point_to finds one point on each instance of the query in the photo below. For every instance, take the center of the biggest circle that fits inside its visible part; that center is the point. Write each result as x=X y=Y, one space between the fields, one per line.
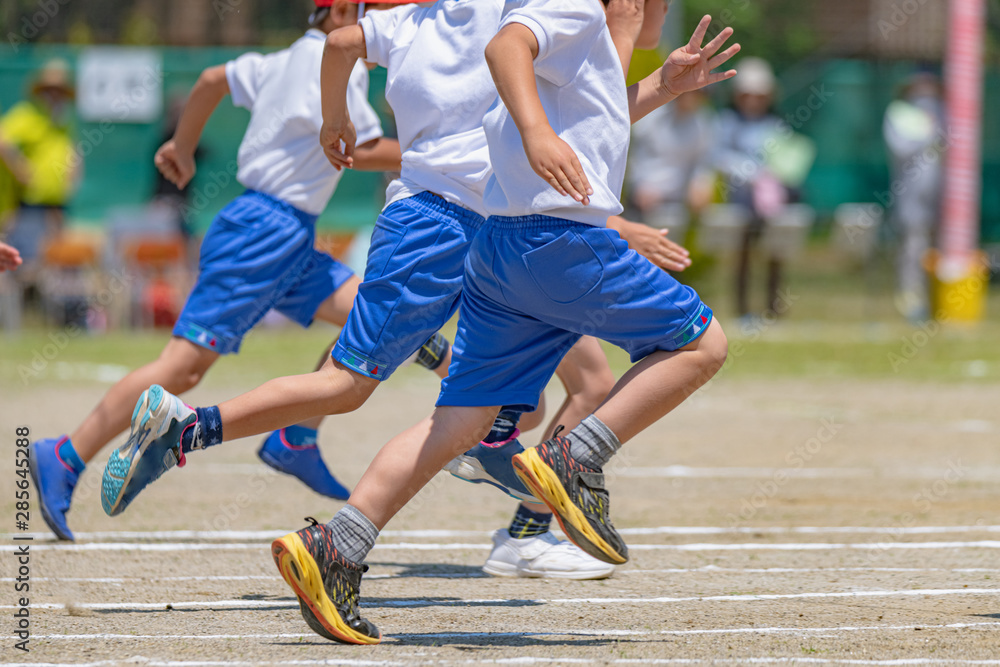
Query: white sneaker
x=542 y=556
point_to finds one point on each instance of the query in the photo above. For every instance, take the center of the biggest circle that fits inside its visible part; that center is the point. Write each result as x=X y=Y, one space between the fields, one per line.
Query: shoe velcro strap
x=592 y=480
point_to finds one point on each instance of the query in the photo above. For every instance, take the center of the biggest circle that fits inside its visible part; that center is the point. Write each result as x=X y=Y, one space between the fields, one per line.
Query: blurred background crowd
x=826 y=153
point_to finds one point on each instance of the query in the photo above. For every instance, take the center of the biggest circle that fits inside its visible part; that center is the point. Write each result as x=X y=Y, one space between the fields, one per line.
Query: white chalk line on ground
x=458 y=546
x=268 y=535
x=458 y=602
x=979 y=474
x=707 y=569
x=523 y=660
x=536 y=633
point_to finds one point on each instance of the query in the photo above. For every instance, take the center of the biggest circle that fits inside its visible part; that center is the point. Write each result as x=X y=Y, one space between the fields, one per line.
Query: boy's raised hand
x=175 y=163
x=690 y=67
x=338 y=137
x=10 y=258
x=554 y=160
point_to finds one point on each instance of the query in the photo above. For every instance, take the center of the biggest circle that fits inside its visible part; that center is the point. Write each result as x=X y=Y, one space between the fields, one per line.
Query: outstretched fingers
x=724 y=56
x=699 y=33
x=717 y=42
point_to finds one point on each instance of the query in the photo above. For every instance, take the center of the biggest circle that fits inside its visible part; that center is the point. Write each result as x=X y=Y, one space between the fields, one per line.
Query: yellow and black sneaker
x=576 y=495
x=326 y=583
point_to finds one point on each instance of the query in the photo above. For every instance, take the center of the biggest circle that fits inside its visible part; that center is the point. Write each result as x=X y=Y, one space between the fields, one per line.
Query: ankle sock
x=354 y=534
x=504 y=425
x=301 y=436
x=205 y=432
x=69 y=456
x=528 y=524
x=592 y=443
x=433 y=352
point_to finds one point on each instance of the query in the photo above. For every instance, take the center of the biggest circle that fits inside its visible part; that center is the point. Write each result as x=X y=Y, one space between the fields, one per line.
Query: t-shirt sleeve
x=243 y=76
x=565 y=30
x=380 y=30
x=366 y=121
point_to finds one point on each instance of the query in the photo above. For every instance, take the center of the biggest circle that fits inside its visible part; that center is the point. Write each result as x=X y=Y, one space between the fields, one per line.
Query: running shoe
x=491 y=464
x=303 y=462
x=54 y=481
x=543 y=557
x=576 y=495
x=153 y=447
x=327 y=584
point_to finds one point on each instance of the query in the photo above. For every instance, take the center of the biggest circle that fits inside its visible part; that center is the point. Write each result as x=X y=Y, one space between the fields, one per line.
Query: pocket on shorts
x=386 y=238
x=565 y=269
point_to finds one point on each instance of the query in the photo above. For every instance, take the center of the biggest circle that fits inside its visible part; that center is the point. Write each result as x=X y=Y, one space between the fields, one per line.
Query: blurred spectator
x=670 y=157
x=39 y=152
x=743 y=134
x=913 y=125
x=165 y=193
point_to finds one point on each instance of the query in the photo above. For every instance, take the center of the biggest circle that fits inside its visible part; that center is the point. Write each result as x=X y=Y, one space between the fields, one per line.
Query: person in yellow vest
x=40 y=154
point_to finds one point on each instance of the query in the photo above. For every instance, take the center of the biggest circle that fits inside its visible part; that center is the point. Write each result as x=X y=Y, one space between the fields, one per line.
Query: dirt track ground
x=770 y=521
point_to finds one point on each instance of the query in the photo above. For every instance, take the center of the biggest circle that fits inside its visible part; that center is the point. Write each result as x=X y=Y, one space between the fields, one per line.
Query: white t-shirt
x=280 y=154
x=440 y=88
x=582 y=90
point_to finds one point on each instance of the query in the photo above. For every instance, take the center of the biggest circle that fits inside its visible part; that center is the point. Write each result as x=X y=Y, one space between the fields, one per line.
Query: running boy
x=542 y=270
x=257 y=255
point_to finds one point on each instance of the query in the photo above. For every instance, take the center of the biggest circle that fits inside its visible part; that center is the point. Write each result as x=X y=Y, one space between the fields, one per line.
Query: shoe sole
x=299 y=570
x=511 y=571
x=46 y=516
x=543 y=481
x=468 y=469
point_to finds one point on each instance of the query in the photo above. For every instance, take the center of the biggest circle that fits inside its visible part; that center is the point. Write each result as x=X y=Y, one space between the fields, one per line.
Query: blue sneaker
x=153 y=447
x=491 y=464
x=303 y=462
x=55 y=482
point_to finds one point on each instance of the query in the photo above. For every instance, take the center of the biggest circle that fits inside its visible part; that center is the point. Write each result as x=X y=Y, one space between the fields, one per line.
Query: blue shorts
x=257 y=255
x=412 y=285
x=535 y=284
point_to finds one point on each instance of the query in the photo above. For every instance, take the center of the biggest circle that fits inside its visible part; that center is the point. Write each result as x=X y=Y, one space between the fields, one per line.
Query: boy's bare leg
x=179 y=368
x=660 y=382
x=408 y=461
x=293 y=399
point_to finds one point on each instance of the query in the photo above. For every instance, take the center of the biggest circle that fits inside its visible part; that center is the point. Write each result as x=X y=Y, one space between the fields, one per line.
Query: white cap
x=754 y=76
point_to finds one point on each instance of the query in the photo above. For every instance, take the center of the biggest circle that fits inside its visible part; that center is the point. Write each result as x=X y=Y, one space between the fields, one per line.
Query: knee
x=360 y=389
x=184 y=378
x=714 y=348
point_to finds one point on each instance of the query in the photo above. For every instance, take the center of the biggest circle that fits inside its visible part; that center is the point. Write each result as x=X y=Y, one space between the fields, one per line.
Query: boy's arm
x=175 y=158
x=687 y=68
x=652 y=244
x=624 y=18
x=510 y=55
x=343 y=48
x=378 y=155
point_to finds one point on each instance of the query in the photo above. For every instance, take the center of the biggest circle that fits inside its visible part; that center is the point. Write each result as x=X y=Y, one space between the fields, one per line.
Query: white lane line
x=535 y=633
x=979 y=474
x=707 y=569
x=458 y=602
x=459 y=546
x=267 y=535
x=523 y=660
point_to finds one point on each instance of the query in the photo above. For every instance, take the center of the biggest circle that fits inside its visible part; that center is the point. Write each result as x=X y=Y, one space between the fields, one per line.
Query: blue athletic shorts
x=412 y=285
x=257 y=255
x=535 y=284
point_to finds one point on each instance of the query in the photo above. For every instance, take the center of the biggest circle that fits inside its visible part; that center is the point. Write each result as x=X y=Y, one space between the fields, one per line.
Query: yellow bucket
x=961 y=296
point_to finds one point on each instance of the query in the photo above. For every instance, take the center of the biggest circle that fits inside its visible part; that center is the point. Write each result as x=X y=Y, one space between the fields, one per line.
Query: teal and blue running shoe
x=303 y=462
x=153 y=447
x=492 y=464
x=55 y=481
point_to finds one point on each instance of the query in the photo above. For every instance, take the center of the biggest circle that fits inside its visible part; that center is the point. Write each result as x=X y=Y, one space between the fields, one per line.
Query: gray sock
x=592 y=443
x=354 y=534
